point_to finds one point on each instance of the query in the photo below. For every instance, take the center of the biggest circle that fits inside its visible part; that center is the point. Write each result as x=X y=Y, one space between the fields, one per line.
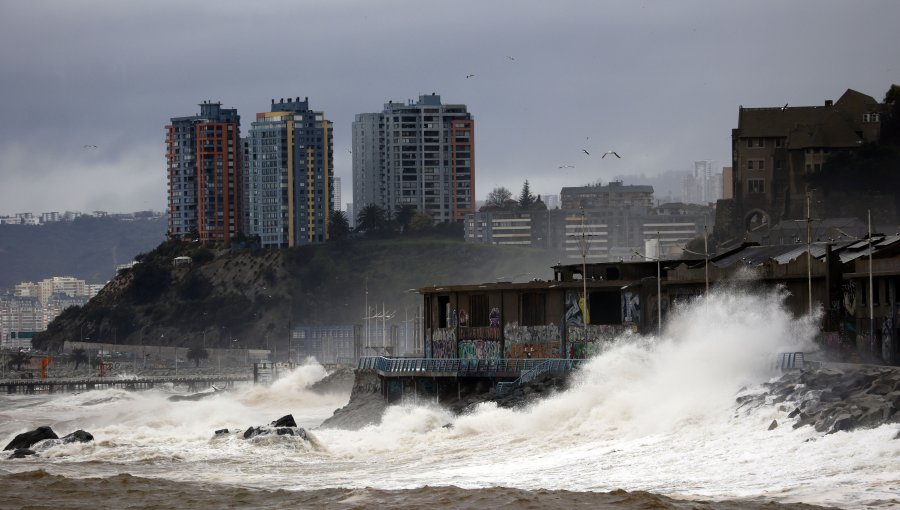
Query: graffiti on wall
x=479 y=349
x=494 y=317
x=887 y=340
x=484 y=333
x=463 y=318
x=631 y=307
x=849 y=294
x=531 y=341
x=574 y=316
x=584 y=342
x=443 y=343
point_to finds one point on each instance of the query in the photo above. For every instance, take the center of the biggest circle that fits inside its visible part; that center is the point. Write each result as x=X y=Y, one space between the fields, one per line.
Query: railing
x=465 y=367
x=792 y=361
x=550 y=366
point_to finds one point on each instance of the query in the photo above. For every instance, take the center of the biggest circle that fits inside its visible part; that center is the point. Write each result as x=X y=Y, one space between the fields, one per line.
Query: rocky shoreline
x=839 y=397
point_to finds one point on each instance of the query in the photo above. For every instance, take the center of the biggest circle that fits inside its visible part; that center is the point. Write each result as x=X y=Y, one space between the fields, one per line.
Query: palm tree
x=371 y=218
x=79 y=356
x=17 y=359
x=197 y=353
x=403 y=214
x=338 y=226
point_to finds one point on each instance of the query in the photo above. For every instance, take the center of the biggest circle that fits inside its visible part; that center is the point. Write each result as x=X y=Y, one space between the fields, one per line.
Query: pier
x=77 y=384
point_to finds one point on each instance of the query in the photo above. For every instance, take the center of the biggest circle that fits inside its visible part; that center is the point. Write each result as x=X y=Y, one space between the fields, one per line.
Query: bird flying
x=511 y=58
x=586 y=152
x=470 y=76
x=610 y=152
x=90 y=146
x=567 y=166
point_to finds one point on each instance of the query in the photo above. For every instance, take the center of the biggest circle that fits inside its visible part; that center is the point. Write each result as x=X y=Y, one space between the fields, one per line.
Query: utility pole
x=808 y=254
x=871 y=287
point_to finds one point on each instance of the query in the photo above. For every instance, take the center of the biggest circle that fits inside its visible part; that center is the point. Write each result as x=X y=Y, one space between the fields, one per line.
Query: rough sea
x=648 y=423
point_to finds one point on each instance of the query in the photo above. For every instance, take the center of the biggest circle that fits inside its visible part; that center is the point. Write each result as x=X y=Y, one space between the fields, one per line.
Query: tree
x=421 y=221
x=17 y=359
x=525 y=197
x=371 y=218
x=338 y=226
x=403 y=214
x=197 y=353
x=79 y=356
x=498 y=197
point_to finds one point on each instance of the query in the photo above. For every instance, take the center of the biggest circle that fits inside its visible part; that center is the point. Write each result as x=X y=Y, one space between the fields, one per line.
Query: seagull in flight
x=783 y=108
x=350 y=151
x=586 y=152
x=470 y=76
x=511 y=58
x=90 y=146
x=567 y=166
x=610 y=152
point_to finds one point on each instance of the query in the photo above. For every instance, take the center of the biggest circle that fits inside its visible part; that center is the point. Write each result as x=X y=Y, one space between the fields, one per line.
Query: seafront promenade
x=74 y=384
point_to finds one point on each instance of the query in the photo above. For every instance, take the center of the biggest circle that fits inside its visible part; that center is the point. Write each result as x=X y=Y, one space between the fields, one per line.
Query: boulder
x=252 y=432
x=26 y=440
x=773 y=425
x=222 y=431
x=21 y=453
x=285 y=421
x=79 y=436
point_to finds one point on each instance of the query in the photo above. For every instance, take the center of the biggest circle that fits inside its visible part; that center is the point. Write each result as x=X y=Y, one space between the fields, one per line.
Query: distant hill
x=88 y=248
x=249 y=298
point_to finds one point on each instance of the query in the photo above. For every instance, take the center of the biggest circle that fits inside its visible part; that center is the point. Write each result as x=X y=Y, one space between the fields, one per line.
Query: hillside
x=249 y=298
x=88 y=248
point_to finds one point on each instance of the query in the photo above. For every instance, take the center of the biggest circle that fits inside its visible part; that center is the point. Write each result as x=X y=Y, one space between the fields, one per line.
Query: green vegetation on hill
x=250 y=298
x=88 y=248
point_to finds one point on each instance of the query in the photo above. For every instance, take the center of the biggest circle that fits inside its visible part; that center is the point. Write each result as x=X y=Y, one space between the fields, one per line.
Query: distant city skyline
x=659 y=83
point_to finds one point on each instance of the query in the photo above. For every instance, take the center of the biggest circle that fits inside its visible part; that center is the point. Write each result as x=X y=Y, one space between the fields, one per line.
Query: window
x=749 y=164
x=777 y=164
x=760 y=164
x=479 y=310
x=778 y=142
x=755 y=186
x=749 y=143
x=532 y=309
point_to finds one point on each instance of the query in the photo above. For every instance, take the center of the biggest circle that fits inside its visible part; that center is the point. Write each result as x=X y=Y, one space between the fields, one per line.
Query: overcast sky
x=659 y=82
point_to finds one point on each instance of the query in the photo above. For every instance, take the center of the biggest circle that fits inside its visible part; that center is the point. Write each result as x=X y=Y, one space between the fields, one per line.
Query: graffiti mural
x=532 y=341
x=479 y=349
x=573 y=309
x=887 y=340
x=452 y=320
x=584 y=342
x=495 y=317
x=463 y=318
x=849 y=294
x=443 y=343
x=631 y=308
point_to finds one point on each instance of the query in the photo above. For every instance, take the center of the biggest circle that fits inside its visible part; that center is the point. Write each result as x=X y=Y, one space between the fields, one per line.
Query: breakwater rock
x=833 y=399
x=365 y=407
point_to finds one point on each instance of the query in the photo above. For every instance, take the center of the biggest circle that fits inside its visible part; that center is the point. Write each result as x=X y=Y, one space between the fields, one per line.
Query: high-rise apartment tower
x=421 y=154
x=205 y=174
x=291 y=173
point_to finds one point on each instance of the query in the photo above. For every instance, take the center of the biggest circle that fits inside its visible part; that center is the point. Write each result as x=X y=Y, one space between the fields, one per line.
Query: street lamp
x=705 y=254
x=658 y=291
x=584 y=243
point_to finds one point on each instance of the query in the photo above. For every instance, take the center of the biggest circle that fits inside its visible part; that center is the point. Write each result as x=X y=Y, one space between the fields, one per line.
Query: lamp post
x=658 y=291
x=705 y=257
x=584 y=243
x=808 y=254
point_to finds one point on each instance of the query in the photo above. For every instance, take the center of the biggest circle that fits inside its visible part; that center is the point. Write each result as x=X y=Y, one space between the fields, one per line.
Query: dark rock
x=28 y=439
x=880 y=389
x=898 y=435
x=843 y=422
x=795 y=412
x=280 y=431
x=773 y=425
x=285 y=421
x=79 y=436
x=222 y=431
x=21 y=453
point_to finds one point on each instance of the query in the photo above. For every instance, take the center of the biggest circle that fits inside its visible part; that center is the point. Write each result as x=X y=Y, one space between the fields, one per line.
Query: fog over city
x=88 y=86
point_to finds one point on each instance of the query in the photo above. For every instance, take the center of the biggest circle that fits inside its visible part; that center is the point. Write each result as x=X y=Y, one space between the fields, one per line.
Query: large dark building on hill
x=774 y=148
x=205 y=174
